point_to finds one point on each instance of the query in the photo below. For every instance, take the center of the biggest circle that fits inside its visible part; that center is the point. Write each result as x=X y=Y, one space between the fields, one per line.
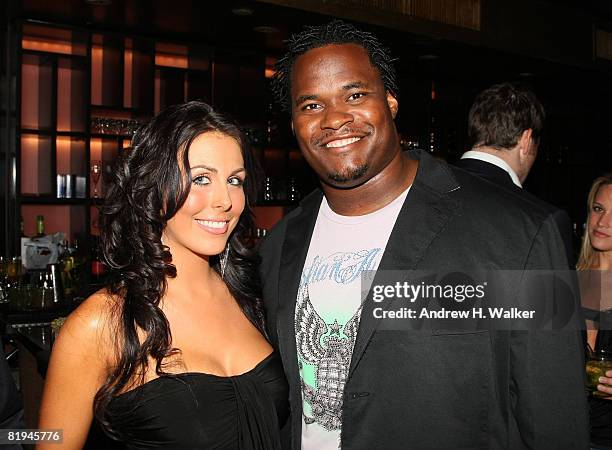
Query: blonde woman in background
x=595 y=266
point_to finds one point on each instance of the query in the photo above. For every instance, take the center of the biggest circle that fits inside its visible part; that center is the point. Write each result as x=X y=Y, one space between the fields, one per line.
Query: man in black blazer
x=505 y=125
x=355 y=382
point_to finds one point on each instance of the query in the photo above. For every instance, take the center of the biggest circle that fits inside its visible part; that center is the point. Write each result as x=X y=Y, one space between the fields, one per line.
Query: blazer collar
x=426 y=211
x=299 y=230
x=495 y=161
x=487 y=171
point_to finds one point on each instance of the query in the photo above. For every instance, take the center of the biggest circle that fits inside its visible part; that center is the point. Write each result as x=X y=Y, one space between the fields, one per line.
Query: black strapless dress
x=196 y=410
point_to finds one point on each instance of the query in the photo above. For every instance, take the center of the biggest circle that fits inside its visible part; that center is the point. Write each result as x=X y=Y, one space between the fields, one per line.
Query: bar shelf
x=37 y=99
x=53 y=40
x=70 y=218
x=51 y=200
x=83 y=94
x=71 y=90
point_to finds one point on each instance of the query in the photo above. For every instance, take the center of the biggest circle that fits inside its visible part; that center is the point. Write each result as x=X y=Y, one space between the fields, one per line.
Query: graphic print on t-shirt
x=325 y=340
x=342 y=250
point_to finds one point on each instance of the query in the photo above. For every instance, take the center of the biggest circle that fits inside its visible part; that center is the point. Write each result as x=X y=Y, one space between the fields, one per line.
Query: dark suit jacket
x=500 y=177
x=426 y=390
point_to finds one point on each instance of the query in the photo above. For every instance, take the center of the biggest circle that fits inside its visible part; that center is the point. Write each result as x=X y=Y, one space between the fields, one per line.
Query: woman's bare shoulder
x=93 y=325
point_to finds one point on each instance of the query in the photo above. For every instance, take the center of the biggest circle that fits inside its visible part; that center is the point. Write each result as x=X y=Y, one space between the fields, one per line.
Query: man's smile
x=342 y=142
x=343 y=139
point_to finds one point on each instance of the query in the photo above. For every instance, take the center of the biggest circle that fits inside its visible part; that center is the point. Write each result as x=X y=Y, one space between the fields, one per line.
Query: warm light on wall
x=62 y=145
x=97 y=54
x=95 y=148
x=157 y=94
x=35 y=165
x=43 y=45
x=31 y=78
x=270 y=62
x=70 y=155
x=128 y=58
x=171 y=55
x=57 y=218
x=166 y=60
x=53 y=40
x=29 y=164
x=267 y=217
x=95 y=213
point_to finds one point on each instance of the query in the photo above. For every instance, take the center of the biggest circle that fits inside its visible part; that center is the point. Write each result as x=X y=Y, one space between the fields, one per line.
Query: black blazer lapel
x=293 y=255
x=423 y=216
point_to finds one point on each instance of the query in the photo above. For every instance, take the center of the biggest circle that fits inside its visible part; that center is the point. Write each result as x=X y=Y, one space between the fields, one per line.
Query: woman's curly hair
x=147 y=188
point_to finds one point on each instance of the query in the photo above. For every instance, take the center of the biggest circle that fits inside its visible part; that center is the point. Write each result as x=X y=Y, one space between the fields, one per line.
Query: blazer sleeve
x=564 y=225
x=547 y=372
x=270 y=253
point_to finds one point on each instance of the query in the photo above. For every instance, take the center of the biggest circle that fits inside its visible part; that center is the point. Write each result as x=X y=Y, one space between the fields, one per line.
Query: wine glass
x=96 y=171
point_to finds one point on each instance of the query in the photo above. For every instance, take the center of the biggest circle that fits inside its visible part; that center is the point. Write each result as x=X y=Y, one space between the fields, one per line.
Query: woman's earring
x=223 y=260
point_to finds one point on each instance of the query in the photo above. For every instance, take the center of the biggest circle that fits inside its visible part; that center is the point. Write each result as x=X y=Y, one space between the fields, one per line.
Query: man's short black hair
x=335 y=32
x=500 y=115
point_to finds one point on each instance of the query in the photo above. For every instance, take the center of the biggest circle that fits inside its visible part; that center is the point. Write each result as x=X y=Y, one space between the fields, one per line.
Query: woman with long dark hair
x=173 y=354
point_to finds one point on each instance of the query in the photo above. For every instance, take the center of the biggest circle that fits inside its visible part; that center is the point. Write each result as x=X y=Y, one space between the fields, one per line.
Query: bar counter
x=30 y=332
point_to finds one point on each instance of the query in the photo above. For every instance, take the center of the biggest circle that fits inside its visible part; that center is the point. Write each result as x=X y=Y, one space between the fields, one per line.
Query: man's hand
x=605 y=385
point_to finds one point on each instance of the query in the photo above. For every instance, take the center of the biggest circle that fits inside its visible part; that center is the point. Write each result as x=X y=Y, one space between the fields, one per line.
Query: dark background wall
x=547 y=45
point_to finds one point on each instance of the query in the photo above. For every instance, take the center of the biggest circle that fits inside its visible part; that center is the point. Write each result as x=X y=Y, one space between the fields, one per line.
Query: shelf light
x=270 y=62
x=167 y=60
x=43 y=45
x=171 y=55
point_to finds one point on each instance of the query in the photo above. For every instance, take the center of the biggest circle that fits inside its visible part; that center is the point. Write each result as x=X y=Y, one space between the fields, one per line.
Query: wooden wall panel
x=459 y=13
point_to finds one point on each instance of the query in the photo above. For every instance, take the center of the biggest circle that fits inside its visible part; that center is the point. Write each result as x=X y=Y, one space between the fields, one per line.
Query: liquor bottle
x=40 y=226
x=98 y=269
x=21 y=227
x=67 y=264
x=78 y=266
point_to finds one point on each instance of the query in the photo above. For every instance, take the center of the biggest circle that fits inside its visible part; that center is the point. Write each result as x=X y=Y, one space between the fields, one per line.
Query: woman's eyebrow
x=213 y=170
x=202 y=166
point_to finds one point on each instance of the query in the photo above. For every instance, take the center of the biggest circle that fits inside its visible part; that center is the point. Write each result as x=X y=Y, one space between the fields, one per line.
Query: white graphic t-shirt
x=328 y=310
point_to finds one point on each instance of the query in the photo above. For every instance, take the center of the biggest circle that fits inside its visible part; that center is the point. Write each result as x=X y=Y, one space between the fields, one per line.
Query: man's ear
x=393 y=104
x=292 y=129
x=526 y=142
